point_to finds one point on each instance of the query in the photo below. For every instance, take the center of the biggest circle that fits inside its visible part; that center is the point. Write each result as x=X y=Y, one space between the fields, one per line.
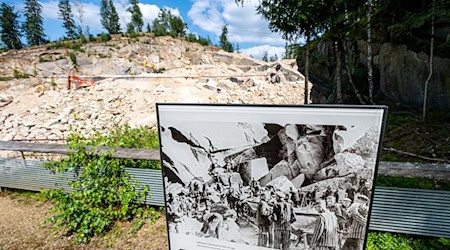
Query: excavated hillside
x=36 y=104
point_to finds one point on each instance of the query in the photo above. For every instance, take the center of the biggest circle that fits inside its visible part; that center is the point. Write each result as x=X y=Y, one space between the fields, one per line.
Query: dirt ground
x=22 y=226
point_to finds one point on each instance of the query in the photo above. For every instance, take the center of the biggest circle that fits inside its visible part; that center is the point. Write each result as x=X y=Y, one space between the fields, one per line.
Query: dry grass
x=22 y=226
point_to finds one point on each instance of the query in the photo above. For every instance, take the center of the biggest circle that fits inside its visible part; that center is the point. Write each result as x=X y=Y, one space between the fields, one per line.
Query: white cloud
x=50 y=10
x=206 y=15
x=257 y=52
x=244 y=24
x=91 y=15
x=149 y=13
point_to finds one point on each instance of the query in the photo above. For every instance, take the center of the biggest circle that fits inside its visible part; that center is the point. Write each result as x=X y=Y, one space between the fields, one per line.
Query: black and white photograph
x=268 y=177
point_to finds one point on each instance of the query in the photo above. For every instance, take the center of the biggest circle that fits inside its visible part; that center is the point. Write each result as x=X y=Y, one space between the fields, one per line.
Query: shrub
x=73 y=59
x=76 y=47
x=43 y=59
x=390 y=241
x=56 y=45
x=20 y=75
x=103 y=192
x=104 y=37
x=5 y=78
x=83 y=39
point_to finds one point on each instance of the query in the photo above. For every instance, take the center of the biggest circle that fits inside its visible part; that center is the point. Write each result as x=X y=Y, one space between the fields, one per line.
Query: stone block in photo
x=283 y=184
x=298 y=181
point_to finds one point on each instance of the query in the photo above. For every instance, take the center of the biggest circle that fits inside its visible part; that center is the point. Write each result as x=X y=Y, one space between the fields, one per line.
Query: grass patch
x=20 y=75
x=5 y=78
x=391 y=241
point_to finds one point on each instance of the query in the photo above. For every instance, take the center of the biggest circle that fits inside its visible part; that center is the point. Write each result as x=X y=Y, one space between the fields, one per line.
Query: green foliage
x=265 y=57
x=33 y=27
x=201 y=40
x=168 y=24
x=20 y=75
x=390 y=241
x=273 y=58
x=109 y=17
x=9 y=27
x=5 y=78
x=136 y=15
x=73 y=59
x=131 y=32
x=65 y=14
x=83 y=39
x=75 y=46
x=43 y=59
x=104 y=193
x=104 y=37
x=114 y=23
x=224 y=43
x=55 y=45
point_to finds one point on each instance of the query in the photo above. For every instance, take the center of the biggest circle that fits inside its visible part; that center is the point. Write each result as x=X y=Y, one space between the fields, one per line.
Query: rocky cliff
x=399 y=74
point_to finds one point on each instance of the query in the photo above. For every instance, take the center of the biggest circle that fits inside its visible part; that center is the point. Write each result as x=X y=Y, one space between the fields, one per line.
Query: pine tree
x=136 y=15
x=65 y=14
x=105 y=14
x=113 y=19
x=32 y=26
x=265 y=57
x=10 y=34
x=224 y=43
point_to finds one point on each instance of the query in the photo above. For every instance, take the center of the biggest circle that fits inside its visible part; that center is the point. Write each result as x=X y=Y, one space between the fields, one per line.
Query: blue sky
x=203 y=17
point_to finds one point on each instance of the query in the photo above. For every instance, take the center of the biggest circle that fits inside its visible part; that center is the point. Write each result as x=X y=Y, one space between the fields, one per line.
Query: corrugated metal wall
x=400 y=210
x=31 y=175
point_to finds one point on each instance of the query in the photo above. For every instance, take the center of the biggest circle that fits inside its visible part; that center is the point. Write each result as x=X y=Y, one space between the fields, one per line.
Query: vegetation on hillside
x=166 y=24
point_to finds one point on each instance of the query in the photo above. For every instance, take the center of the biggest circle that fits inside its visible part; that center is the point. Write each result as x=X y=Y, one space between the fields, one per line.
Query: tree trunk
x=337 y=50
x=350 y=79
x=307 y=67
x=369 y=51
x=425 y=92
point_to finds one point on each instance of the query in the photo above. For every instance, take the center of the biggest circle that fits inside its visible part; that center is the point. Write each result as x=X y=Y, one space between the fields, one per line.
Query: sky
x=203 y=17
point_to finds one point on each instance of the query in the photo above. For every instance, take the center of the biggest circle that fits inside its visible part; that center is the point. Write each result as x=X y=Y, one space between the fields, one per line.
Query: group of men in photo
x=340 y=223
x=340 y=213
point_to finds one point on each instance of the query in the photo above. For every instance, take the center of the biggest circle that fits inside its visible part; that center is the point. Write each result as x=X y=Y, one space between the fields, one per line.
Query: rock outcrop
x=400 y=74
x=38 y=106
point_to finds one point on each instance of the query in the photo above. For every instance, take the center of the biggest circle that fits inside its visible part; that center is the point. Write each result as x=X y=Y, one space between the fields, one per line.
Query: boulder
x=348 y=163
x=254 y=168
x=310 y=154
x=235 y=179
x=281 y=169
x=283 y=184
x=298 y=181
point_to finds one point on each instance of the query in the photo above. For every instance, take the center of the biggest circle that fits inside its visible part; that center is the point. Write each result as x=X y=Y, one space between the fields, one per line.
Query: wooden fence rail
x=429 y=170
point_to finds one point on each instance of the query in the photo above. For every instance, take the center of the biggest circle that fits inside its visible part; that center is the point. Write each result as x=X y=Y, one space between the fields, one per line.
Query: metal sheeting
x=400 y=210
x=411 y=211
x=32 y=175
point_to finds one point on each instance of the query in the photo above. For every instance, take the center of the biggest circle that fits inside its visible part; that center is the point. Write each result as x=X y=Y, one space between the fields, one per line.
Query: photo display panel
x=269 y=177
